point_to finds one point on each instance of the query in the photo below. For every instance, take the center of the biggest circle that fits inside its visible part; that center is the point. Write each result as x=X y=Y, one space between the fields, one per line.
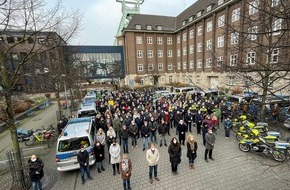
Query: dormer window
x=198 y=14
x=138 y=26
x=190 y=19
x=183 y=22
x=208 y=8
x=220 y=2
x=159 y=27
x=149 y=27
x=41 y=40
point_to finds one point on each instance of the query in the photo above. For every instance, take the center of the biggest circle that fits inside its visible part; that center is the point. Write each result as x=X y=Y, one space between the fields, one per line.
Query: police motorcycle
x=245 y=130
x=267 y=145
x=238 y=122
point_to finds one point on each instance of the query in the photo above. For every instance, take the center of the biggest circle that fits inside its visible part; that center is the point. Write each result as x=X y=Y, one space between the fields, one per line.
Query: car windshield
x=87 y=113
x=73 y=144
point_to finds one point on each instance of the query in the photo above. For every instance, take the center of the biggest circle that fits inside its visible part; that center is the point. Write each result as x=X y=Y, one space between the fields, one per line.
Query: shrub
x=21 y=106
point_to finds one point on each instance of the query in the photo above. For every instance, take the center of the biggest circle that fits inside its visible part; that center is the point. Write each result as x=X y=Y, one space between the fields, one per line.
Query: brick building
x=204 y=44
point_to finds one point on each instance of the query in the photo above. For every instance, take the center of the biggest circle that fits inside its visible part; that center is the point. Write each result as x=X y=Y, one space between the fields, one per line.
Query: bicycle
x=44 y=136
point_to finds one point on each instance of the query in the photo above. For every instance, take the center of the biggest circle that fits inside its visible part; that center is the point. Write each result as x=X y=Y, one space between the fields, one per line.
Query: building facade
x=205 y=45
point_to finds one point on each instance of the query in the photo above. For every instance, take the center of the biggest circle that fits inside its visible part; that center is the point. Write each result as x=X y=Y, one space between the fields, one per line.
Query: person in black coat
x=162 y=130
x=36 y=171
x=182 y=129
x=83 y=160
x=99 y=155
x=191 y=150
x=199 y=119
x=145 y=133
x=174 y=151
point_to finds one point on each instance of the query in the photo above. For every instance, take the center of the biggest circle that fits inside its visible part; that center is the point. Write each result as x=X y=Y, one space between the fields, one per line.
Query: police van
x=87 y=110
x=78 y=132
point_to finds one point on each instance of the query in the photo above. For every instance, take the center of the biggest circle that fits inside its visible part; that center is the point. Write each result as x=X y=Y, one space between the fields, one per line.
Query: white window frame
x=251 y=58
x=178 y=66
x=199 y=63
x=233 y=60
x=150 y=67
x=150 y=53
x=276 y=27
x=140 y=67
x=209 y=26
x=139 y=54
x=138 y=39
x=252 y=33
x=184 y=51
x=199 y=30
x=221 y=41
x=191 y=49
x=169 y=53
x=197 y=79
x=275 y=3
x=191 y=33
x=236 y=15
x=220 y=2
x=170 y=79
x=208 y=62
x=221 y=21
x=149 y=27
x=169 y=40
x=184 y=37
x=159 y=40
x=159 y=53
x=138 y=27
x=191 y=64
x=178 y=39
x=178 y=52
x=208 y=8
x=253 y=7
x=169 y=66
x=275 y=55
x=159 y=27
x=149 y=40
x=209 y=44
x=220 y=61
x=184 y=65
x=231 y=80
x=234 y=38
x=199 y=47
x=160 y=66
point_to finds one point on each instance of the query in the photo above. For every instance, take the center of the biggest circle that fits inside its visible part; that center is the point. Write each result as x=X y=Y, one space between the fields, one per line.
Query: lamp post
x=65 y=93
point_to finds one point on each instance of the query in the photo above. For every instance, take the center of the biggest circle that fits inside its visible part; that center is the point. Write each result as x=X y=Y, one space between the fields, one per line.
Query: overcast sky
x=102 y=17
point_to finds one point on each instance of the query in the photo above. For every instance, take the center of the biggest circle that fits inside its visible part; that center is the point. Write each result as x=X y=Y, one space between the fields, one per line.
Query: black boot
x=99 y=170
x=102 y=168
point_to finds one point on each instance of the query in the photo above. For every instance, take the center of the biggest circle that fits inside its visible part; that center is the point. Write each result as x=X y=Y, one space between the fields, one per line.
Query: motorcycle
x=276 y=149
x=45 y=135
x=245 y=131
x=23 y=134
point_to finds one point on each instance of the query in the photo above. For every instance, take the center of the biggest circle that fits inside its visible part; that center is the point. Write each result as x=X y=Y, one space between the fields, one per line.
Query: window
x=149 y=27
x=198 y=14
x=178 y=66
x=209 y=44
x=138 y=27
x=160 y=66
x=41 y=40
x=184 y=67
x=236 y=15
x=141 y=81
x=191 y=33
x=199 y=47
x=159 y=53
x=170 y=78
x=233 y=59
x=191 y=49
x=208 y=62
x=120 y=42
x=1 y=40
x=221 y=21
x=150 y=53
x=190 y=19
x=209 y=26
x=178 y=53
x=220 y=41
x=138 y=40
x=231 y=80
x=169 y=66
x=10 y=40
x=234 y=38
x=208 y=8
x=169 y=53
x=139 y=54
x=199 y=30
x=220 y=2
x=276 y=27
x=197 y=79
x=149 y=40
x=220 y=61
x=159 y=40
x=274 y=55
x=199 y=63
x=150 y=67
x=183 y=22
x=253 y=7
x=191 y=64
x=252 y=33
x=169 y=40
x=184 y=37
x=178 y=39
x=275 y=3
x=251 y=57
x=184 y=51
x=140 y=67
x=159 y=27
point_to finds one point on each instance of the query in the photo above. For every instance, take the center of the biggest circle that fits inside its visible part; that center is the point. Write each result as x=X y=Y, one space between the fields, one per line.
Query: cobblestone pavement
x=232 y=169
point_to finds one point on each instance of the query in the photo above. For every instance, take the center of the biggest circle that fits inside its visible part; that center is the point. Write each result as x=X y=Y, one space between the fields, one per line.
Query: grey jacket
x=209 y=141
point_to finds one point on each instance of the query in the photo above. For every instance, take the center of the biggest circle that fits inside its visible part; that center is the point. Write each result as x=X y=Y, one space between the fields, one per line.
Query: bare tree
x=44 y=30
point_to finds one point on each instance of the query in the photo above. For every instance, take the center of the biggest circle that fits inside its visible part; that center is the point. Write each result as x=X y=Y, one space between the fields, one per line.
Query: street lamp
x=65 y=93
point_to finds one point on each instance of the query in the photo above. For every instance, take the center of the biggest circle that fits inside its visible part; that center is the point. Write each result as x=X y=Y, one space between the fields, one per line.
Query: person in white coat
x=115 y=151
x=152 y=157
